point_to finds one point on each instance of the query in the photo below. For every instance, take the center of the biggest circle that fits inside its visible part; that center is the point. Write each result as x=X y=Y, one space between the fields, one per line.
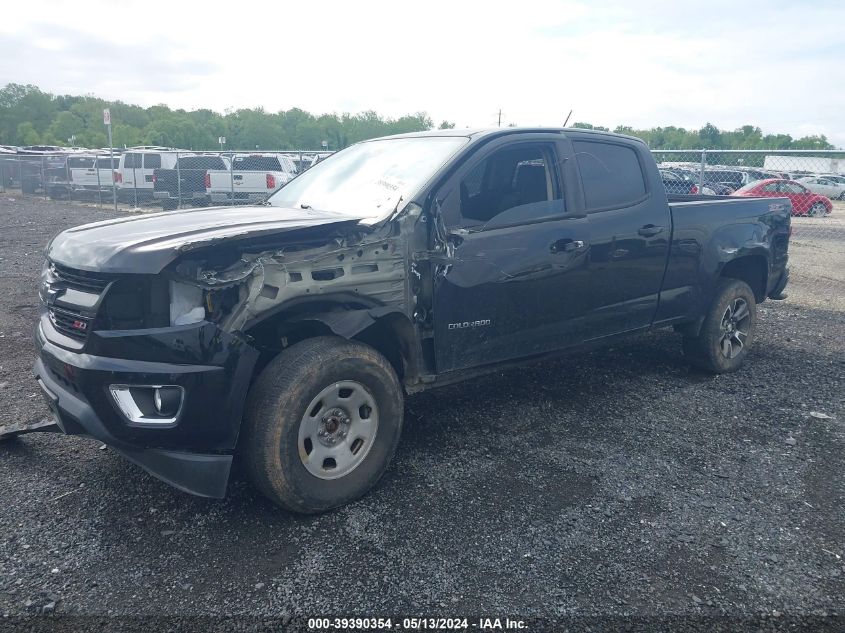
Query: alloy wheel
x=734 y=325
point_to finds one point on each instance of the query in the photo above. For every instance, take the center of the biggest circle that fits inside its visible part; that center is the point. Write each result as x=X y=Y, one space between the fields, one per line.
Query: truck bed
x=757 y=227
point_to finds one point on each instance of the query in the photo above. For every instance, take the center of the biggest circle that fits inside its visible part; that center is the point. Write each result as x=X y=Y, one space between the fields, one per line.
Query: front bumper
x=213 y=367
x=193 y=195
x=245 y=197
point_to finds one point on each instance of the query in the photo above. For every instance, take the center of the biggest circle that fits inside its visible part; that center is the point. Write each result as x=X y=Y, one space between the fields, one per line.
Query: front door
x=512 y=282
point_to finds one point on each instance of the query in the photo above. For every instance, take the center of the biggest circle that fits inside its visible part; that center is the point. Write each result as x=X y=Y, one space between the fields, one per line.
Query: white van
x=134 y=173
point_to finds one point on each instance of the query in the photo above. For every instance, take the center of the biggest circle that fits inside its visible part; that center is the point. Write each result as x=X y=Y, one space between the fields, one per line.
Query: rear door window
x=132 y=161
x=791 y=187
x=611 y=174
x=103 y=163
x=152 y=161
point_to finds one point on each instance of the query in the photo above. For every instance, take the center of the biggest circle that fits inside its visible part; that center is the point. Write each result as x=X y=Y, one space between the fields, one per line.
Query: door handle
x=650 y=230
x=566 y=246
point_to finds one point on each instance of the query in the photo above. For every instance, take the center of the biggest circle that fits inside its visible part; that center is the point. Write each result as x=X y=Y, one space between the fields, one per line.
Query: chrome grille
x=80 y=279
x=70 y=322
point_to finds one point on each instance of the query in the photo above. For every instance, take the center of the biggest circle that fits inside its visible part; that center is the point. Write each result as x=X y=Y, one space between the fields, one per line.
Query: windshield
x=368 y=179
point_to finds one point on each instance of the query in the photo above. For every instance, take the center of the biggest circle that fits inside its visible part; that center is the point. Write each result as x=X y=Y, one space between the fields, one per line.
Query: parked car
x=692 y=178
x=834 y=177
x=57 y=183
x=134 y=175
x=92 y=174
x=290 y=332
x=733 y=179
x=804 y=201
x=252 y=178
x=37 y=166
x=825 y=186
x=186 y=181
x=678 y=181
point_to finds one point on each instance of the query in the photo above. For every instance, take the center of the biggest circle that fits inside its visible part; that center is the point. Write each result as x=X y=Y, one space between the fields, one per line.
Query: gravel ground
x=615 y=483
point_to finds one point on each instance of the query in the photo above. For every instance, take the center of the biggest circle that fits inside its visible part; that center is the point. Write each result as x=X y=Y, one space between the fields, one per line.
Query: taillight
x=207 y=180
x=271 y=181
x=118 y=177
x=154 y=179
x=694 y=189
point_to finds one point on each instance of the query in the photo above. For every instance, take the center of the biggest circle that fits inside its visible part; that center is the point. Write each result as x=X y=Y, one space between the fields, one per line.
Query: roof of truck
x=476 y=133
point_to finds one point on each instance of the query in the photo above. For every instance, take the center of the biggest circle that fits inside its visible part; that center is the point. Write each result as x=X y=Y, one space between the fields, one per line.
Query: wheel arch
x=387 y=329
x=753 y=269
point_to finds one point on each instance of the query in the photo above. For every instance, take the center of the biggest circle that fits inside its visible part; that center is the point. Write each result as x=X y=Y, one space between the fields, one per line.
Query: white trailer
x=809 y=164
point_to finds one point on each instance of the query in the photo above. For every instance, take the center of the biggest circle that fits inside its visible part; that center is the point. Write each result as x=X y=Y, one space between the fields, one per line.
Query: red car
x=804 y=201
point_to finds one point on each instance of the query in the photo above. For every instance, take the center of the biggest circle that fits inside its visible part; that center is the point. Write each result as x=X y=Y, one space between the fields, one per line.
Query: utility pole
x=107 y=122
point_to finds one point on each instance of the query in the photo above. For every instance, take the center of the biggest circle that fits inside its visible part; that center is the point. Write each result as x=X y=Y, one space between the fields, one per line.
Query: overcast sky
x=779 y=65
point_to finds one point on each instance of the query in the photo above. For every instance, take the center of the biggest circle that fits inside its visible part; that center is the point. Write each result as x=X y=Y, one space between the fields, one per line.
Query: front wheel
x=322 y=422
x=818 y=210
x=728 y=329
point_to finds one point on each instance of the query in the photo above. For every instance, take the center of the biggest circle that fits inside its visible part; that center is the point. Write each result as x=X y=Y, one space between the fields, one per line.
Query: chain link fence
x=164 y=178
x=814 y=182
x=150 y=176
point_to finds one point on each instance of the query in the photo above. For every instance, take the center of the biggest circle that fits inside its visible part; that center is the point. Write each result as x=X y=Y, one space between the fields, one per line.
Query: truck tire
x=728 y=329
x=321 y=424
x=169 y=205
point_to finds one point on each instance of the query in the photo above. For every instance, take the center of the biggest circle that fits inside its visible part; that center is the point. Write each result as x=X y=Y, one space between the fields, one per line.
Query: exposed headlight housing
x=187 y=304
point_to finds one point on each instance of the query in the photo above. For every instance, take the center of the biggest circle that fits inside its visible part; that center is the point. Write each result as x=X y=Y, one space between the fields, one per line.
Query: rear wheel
x=728 y=329
x=322 y=422
x=818 y=210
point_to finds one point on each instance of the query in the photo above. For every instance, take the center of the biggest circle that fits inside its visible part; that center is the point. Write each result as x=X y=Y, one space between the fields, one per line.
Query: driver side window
x=515 y=184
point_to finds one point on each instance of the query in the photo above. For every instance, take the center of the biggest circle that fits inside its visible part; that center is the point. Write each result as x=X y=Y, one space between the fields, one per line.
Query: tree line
x=29 y=116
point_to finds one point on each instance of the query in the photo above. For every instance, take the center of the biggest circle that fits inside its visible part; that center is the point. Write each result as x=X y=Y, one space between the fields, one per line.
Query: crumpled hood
x=148 y=243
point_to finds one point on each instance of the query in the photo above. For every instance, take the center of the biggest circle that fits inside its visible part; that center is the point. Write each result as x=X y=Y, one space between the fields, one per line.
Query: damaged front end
x=158 y=365
x=239 y=288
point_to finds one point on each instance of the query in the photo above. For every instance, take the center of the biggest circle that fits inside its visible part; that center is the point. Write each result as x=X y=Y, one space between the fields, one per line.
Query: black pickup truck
x=186 y=182
x=289 y=332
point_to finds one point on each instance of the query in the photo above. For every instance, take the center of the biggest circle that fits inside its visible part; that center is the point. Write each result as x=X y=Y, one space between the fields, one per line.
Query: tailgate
x=164 y=180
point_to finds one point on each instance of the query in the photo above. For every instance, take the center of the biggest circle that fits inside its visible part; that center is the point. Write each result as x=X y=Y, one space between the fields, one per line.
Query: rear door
x=799 y=195
x=105 y=171
x=144 y=177
x=826 y=188
x=131 y=169
x=629 y=229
